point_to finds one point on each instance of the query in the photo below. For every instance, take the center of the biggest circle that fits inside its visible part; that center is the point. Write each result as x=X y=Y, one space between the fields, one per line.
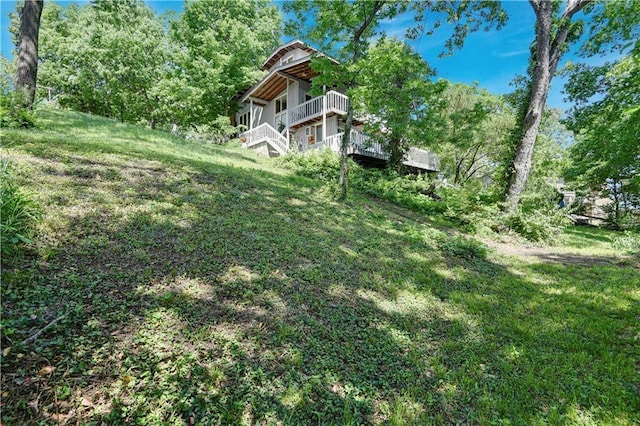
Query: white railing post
x=324 y=117
x=250 y=114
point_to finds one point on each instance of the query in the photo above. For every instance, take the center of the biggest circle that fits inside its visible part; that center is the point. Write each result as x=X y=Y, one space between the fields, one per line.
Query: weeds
x=18 y=213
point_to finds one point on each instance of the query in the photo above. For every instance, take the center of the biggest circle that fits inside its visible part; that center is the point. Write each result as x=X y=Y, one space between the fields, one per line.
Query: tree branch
x=37 y=334
x=573 y=7
x=377 y=5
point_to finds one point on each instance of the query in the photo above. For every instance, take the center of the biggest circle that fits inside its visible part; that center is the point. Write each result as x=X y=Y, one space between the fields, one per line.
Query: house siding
x=296 y=53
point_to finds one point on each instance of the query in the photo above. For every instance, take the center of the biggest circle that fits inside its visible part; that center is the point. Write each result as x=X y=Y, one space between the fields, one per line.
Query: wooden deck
x=330 y=104
x=361 y=145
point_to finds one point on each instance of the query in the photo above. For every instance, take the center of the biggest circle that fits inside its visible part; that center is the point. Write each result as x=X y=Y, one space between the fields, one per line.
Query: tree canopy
x=344 y=29
x=118 y=59
x=396 y=92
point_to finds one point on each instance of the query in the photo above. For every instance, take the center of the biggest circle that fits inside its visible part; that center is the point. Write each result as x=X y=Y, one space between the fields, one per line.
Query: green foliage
x=462 y=247
x=606 y=120
x=323 y=165
x=472 y=206
x=629 y=242
x=404 y=190
x=540 y=225
x=13 y=112
x=394 y=89
x=623 y=219
x=203 y=284
x=18 y=213
x=219 y=132
x=118 y=59
x=473 y=134
x=218 y=47
x=96 y=60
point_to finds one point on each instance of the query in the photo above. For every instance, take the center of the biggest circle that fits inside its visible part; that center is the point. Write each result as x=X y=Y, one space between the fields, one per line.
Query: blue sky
x=490 y=58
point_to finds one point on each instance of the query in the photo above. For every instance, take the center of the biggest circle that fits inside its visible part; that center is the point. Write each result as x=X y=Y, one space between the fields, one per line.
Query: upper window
x=281 y=104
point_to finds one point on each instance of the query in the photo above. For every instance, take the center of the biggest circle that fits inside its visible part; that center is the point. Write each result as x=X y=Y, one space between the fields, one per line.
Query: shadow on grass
x=232 y=296
x=587 y=234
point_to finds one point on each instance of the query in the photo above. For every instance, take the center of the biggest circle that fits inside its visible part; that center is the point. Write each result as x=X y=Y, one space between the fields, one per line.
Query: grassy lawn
x=203 y=283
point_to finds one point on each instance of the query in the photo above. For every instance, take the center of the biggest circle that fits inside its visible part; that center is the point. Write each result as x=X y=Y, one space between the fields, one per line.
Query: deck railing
x=265 y=132
x=359 y=144
x=333 y=102
x=306 y=110
x=337 y=102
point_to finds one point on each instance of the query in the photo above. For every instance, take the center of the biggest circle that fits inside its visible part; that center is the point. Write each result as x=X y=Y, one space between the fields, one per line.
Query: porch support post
x=324 y=117
x=250 y=114
x=288 y=111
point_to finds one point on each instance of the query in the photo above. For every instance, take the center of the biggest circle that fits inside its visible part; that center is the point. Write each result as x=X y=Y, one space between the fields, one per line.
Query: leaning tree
x=554 y=31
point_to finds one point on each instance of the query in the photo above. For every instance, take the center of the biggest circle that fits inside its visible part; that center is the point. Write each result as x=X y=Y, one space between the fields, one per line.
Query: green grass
x=204 y=282
x=590 y=240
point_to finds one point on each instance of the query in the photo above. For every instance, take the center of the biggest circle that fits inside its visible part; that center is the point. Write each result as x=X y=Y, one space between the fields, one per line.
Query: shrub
x=625 y=220
x=471 y=206
x=18 y=213
x=218 y=132
x=404 y=190
x=13 y=113
x=544 y=226
x=463 y=248
x=628 y=242
x=322 y=165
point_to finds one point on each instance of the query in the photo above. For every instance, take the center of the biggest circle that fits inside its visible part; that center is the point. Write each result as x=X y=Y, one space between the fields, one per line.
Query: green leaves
x=118 y=59
x=104 y=58
x=219 y=47
x=473 y=131
x=394 y=86
x=606 y=119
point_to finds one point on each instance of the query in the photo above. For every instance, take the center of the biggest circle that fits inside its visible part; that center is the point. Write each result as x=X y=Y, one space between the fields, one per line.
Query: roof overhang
x=275 y=82
x=282 y=50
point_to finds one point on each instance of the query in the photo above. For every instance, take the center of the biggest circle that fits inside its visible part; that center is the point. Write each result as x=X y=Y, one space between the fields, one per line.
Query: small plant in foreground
x=13 y=113
x=461 y=247
x=18 y=212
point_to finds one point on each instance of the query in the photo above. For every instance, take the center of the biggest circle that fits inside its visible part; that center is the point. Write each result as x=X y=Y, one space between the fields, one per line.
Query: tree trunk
x=396 y=154
x=26 y=76
x=344 y=145
x=346 y=138
x=547 y=55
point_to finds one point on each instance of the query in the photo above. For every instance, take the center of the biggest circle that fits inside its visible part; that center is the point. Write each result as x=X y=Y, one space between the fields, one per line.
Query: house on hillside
x=282 y=117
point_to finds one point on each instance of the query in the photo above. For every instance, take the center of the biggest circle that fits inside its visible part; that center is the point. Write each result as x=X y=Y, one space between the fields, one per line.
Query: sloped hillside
x=198 y=284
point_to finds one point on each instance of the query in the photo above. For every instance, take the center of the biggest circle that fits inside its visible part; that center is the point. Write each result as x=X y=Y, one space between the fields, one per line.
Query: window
x=280 y=116
x=281 y=104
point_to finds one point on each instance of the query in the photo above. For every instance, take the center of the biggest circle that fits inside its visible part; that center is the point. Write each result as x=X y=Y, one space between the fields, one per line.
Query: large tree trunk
x=28 y=49
x=547 y=55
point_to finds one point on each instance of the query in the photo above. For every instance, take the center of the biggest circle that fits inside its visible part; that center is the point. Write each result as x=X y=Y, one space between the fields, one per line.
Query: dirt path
x=553 y=255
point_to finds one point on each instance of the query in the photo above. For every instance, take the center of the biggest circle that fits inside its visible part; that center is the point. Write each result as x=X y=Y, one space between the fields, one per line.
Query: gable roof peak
x=284 y=48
